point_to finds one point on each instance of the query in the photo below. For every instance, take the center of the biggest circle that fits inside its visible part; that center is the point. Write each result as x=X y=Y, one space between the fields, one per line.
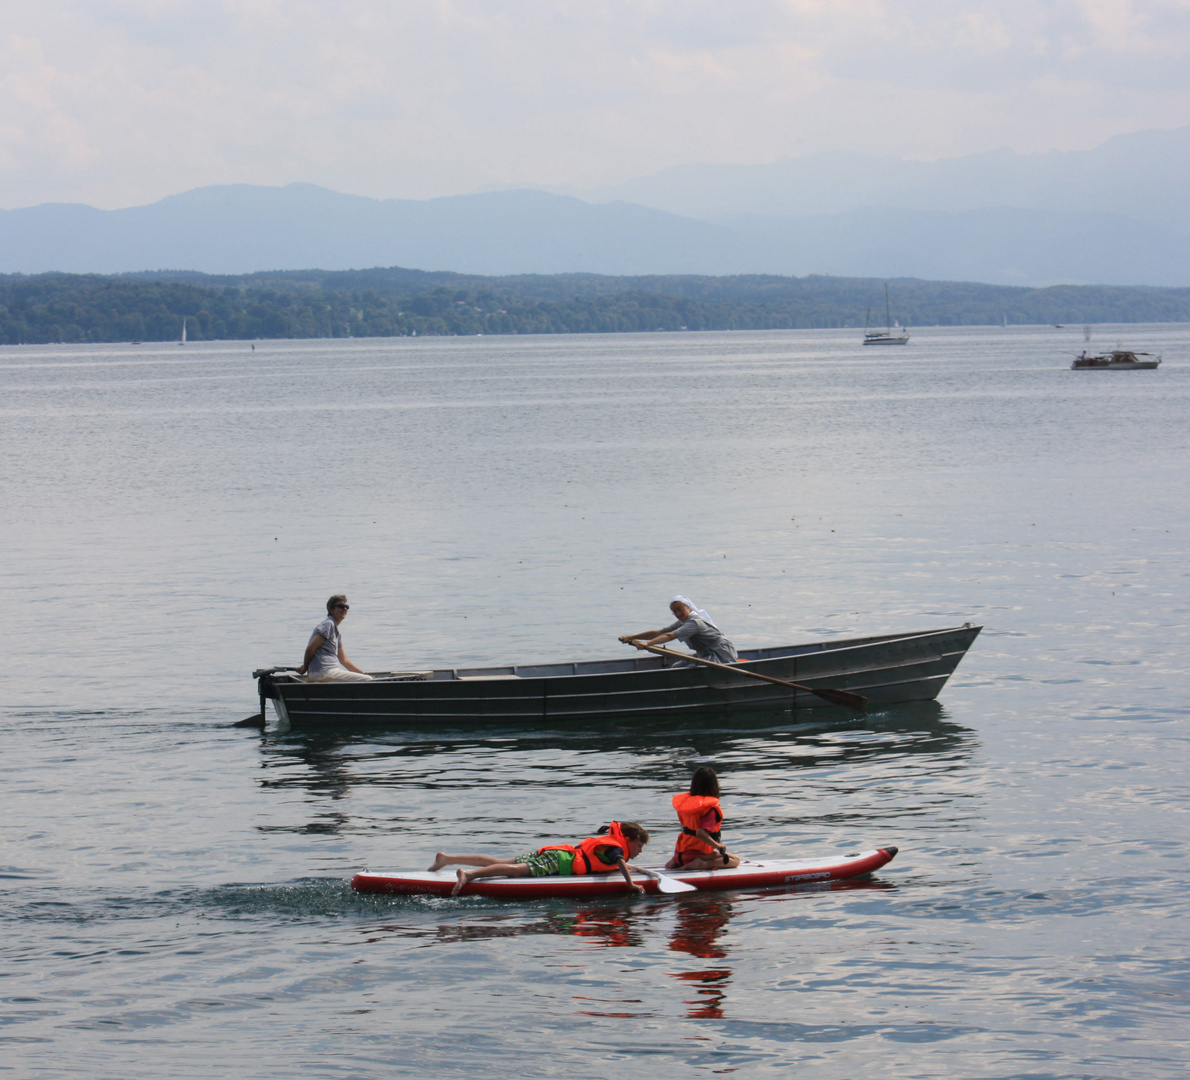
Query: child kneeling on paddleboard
x=699 y=846
x=610 y=849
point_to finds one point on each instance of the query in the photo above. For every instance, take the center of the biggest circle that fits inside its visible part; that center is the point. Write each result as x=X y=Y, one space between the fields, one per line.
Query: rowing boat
x=886 y=669
x=748 y=875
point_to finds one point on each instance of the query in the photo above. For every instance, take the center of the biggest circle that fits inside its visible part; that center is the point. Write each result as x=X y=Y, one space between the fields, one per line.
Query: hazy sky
x=120 y=102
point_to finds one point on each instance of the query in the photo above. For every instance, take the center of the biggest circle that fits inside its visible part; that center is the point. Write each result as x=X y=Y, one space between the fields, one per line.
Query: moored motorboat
x=886 y=669
x=1117 y=360
x=762 y=874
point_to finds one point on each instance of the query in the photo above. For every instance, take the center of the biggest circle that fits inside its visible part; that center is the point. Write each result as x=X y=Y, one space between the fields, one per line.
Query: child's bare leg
x=441 y=859
x=711 y=862
x=492 y=869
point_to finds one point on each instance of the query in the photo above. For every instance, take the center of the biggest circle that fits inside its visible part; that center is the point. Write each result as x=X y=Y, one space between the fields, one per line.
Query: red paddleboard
x=748 y=875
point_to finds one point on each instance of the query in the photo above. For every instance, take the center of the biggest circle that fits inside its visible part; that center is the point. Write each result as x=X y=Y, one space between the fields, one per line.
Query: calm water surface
x=173 y=891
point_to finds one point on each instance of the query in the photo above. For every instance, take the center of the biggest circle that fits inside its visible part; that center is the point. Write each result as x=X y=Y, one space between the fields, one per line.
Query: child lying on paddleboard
x=610 y=849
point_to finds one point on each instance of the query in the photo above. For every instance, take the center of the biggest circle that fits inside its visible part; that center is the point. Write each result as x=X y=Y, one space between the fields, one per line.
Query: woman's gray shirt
x=705 y=639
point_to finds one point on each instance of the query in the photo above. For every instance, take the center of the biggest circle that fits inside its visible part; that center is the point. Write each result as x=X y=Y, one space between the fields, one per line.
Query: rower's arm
x=653 y=637
x=628 y=639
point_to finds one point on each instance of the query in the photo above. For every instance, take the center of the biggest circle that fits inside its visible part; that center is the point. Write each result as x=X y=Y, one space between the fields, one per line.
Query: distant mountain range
x=1140 y=176
x=1115 y=215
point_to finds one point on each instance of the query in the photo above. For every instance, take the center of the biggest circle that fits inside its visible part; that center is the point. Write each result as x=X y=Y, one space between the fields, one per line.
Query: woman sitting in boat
x=610 y=849
x=325 y=659
x=694 y=627
x=699 y=845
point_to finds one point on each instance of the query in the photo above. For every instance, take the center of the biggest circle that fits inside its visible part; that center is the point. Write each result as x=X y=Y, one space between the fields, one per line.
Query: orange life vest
x=587 y=852
x=691 y=810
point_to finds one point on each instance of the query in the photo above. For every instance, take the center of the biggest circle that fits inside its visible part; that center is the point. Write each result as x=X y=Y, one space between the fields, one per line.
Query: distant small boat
x=1118 y=360
x=885 y=336
x=183 y=338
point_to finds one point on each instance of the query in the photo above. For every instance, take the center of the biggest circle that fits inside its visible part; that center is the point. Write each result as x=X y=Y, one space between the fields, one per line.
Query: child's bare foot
x=440 y=860
x=464 y=879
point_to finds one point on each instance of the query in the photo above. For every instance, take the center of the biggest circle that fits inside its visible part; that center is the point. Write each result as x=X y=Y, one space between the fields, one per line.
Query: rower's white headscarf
x=694 y=609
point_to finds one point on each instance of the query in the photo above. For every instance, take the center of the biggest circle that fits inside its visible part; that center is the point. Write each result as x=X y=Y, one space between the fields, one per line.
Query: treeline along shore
x=395 y=302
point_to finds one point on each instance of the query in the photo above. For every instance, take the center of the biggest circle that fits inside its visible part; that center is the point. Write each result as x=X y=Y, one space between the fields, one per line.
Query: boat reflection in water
x=699 y=926
x=408 y=790
x=698 y=930
x=701 y=922
x=333 y=766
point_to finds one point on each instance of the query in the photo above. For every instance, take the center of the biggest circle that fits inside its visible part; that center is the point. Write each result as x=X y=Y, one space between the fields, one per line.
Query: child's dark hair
x=634 y=831
x=704 y=782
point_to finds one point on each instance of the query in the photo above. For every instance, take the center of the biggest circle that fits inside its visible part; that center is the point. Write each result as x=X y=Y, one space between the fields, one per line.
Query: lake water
x=173 y=890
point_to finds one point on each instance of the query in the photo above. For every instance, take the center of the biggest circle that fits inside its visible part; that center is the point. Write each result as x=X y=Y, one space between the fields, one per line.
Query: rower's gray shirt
x=705 y=639
x=327 y=655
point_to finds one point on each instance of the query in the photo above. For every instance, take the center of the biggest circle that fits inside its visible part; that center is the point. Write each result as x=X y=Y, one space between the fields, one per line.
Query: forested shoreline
x=395 y=302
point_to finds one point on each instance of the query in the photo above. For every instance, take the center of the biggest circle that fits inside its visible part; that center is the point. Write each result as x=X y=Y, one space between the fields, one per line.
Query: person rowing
x=694 y=627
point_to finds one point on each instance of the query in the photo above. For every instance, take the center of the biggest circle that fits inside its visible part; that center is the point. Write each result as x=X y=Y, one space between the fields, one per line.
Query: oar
x=668 y=884
x=837 y=697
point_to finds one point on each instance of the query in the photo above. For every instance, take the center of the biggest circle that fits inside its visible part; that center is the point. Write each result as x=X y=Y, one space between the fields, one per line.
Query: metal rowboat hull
x=887 y=669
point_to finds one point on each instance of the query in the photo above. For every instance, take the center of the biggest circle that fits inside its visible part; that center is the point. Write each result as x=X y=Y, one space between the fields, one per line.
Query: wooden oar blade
x=843 y=697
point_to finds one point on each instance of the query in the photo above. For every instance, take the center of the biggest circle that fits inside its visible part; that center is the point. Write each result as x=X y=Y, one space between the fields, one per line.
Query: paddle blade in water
x=844 y=697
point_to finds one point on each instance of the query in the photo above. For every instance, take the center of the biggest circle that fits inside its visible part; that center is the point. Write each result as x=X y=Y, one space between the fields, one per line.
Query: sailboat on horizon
x=182 y=340
x=885 y=336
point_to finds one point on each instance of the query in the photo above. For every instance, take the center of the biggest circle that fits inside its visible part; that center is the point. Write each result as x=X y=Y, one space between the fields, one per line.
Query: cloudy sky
x=120 y=102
